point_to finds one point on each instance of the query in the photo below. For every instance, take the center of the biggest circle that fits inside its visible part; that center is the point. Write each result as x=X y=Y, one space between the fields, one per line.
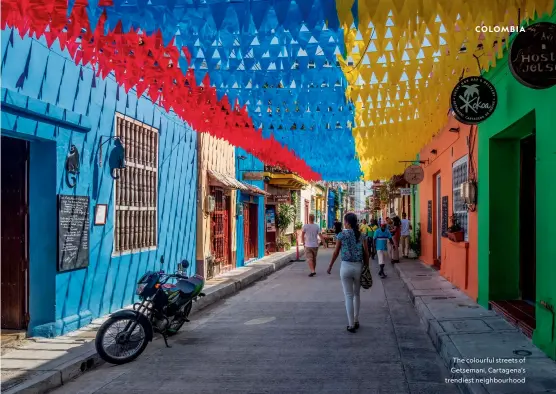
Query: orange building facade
x=449 y=160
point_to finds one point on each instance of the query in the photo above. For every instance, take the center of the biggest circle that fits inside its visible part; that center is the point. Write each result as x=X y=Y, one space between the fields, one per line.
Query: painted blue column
x=331 y=207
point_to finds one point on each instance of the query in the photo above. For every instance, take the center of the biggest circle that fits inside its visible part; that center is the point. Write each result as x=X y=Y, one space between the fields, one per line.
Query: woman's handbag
x=366 y=277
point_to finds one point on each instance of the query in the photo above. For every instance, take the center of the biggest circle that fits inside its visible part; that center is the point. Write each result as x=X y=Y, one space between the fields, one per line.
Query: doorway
x=220 y=233
x=438 y=221
x=253 y=231
x=527 y=215
x=250 y=231
x=15 y=233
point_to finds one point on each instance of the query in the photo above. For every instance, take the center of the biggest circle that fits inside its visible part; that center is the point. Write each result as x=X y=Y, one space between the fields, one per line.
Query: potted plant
x=415 y=244
x=285 y=216
x=283 y=244
x=455 y=231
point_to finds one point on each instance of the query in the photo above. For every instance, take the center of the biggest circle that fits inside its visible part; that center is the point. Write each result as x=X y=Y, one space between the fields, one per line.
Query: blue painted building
x=331 y=207
x=49 y=105
x=250 y=225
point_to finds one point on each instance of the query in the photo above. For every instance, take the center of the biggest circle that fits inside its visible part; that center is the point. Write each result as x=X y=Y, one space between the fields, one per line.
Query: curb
x=50 y=380
x=440 y=339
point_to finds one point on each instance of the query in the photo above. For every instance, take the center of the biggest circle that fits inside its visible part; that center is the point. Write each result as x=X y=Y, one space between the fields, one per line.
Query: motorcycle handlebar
x=169 y=276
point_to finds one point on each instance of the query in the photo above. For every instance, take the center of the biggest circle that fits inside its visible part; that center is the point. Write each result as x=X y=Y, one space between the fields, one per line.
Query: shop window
x=135 y=215
x=459 y=176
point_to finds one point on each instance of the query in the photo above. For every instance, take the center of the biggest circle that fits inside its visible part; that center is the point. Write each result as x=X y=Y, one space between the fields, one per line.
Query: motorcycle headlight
x=140 y=288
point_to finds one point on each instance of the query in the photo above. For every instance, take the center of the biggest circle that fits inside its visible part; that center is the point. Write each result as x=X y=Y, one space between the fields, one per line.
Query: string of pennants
x=403 y=58
x=324 y=88
x=228 y=69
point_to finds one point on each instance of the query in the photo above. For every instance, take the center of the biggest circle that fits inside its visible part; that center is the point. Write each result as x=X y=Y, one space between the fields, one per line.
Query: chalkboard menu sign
x=429 y=217
x=73 y=232
x=445 y=216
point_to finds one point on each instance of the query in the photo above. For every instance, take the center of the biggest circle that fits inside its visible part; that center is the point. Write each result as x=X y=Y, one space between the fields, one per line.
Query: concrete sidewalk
x=43 y=364
x=462 y=329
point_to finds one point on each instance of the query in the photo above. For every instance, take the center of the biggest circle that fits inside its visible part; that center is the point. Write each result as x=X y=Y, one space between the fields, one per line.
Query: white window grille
x=459 y=176
x=136 y=189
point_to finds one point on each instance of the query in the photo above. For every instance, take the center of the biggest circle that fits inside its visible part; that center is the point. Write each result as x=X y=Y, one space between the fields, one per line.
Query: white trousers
x=350 y=273
x=382 y=256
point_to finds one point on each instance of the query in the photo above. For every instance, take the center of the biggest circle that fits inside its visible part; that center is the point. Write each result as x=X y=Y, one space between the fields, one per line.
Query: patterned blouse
x=351 y=250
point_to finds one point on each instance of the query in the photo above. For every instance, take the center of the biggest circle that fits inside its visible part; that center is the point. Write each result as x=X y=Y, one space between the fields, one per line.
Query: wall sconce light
x=72 y=166
x=117 y=157
x=454 y=129
x=434 y=151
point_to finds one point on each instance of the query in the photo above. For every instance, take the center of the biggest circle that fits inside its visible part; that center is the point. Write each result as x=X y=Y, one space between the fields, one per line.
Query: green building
x=517 y=204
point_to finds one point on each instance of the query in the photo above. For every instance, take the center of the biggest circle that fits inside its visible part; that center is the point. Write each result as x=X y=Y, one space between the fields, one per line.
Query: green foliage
x=284 y=243
x=415 y=243
x=285 y=216
x=384 y=194
x=294 y=198
x=455 y=227
x=298 y=226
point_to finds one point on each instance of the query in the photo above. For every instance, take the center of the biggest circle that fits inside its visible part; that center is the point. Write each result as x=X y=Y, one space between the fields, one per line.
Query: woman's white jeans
x=350 y=273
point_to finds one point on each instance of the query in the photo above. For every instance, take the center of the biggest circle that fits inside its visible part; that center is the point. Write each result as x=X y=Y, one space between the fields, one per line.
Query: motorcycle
x=164 y=308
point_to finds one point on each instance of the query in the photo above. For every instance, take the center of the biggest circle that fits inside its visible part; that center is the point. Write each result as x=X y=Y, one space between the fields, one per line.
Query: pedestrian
x=396 y=235
x=381 y=237
x=364 y=228
x=311 y=233
x=337 y=227
x=373 y=227
x=405 y=232
x=354 y=255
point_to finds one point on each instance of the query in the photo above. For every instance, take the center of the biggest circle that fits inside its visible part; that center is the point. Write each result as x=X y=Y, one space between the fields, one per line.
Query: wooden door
x=220 y=249
x=246 y=233
x=15 y=261
x=438 y=221
x=253 y=230
x=527 y=216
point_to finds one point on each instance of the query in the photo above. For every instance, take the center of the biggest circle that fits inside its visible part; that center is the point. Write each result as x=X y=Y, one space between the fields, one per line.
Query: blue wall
x=53 y=102
x=250 y=164
x=331 y=208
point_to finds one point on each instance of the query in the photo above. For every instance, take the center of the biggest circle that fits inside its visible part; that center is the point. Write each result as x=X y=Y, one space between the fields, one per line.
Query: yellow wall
x=216 y=155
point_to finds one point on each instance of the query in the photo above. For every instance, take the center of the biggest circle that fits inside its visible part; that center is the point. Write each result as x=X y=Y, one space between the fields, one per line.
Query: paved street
x=287 y=334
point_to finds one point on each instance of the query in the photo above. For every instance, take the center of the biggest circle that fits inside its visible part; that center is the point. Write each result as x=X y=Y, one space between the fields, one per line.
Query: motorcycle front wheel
x=178 y=320
x=116 y=345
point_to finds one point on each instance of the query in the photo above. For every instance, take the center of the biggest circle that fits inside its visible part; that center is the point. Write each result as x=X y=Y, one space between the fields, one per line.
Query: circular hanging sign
x=473 y=100
x=532 y=58
x=414 y=174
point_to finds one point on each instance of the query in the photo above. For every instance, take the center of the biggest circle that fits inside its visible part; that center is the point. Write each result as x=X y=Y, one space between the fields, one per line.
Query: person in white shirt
x=311 y=232
x=404 y=239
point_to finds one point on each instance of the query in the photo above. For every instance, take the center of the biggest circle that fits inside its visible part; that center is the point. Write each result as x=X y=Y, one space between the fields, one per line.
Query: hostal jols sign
x=533 y=56
x=473 y=100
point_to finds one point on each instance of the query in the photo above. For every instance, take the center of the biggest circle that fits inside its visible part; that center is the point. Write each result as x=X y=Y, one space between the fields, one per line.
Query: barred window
x=459 y=176
x=135 y=228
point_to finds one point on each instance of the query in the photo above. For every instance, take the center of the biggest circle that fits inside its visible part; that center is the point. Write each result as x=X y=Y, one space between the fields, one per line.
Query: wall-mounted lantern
x=72 y=166
x=117 y=156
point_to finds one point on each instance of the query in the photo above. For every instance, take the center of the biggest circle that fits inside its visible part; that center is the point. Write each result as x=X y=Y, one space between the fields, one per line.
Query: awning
x=255 y=190
x=227 y=181
x=286 y=181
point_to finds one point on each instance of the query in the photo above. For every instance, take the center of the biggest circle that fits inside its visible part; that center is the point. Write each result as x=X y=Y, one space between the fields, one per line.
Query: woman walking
x=396 y=235
x=353 y=247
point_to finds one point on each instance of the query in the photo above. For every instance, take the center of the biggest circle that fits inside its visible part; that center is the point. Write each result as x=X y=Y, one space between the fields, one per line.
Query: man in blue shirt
x=381 y=237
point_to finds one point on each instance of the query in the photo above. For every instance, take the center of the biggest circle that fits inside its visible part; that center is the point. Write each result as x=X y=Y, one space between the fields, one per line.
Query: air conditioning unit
x=210 y=204
x=469 y=192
